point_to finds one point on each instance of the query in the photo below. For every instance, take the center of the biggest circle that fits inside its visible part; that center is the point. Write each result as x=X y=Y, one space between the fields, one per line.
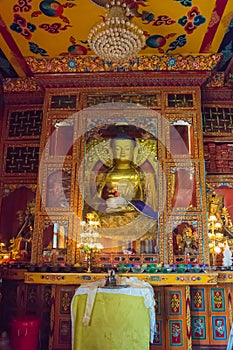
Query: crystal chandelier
x=116 y=39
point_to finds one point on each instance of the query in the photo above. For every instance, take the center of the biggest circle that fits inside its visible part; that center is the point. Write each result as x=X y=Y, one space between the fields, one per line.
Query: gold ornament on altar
x=116 y=39
x=4 y=254
x=217 y=216
x=215 y=237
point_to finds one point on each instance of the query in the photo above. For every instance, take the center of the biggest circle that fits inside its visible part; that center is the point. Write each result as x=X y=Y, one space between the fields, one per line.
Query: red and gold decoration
x=169 y=27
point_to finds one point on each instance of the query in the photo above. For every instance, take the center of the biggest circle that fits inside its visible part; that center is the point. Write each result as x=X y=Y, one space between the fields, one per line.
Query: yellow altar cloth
x=119 y=320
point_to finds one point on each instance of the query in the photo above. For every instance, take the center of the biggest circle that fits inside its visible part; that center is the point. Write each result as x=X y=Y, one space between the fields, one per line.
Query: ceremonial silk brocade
x=118 y=322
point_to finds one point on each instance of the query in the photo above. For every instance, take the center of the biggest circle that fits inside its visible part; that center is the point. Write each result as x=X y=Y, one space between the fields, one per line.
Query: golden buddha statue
x=124 y=181
x=215 y=202
x=120 y=185
x=185 y=240
x=190 y=246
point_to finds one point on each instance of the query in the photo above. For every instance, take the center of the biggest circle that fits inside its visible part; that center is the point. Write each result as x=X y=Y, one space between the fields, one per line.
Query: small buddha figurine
x=215 y=205
x=178 y=242
x=190 y=247
x=226 y=218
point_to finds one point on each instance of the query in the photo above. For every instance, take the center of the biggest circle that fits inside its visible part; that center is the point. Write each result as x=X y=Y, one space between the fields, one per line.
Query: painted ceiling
x=56 y=28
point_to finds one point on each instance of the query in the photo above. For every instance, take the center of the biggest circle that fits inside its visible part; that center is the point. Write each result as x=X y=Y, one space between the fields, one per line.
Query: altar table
x=121 y=319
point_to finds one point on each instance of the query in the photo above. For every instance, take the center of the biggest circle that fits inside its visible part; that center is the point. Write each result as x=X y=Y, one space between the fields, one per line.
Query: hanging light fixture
x=116 y=39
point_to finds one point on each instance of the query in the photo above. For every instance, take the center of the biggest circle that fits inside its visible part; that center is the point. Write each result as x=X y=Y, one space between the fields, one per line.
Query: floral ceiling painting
x=57 y=28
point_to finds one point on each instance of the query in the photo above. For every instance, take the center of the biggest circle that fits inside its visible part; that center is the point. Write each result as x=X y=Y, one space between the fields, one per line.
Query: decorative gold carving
x=20 y=84
x=175 y=303
x=216 y=80
x=65 y=301
x=197 y=299
x=216 y=181
x=147 y=63
x=218 y=299
x=47 y=295
x=150 y=100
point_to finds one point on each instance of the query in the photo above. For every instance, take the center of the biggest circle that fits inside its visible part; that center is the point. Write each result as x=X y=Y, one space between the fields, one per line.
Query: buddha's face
x=123 y=149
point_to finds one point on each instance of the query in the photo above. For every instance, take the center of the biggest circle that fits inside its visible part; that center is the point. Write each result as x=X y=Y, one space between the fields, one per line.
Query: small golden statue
x=185 y=240
x=215 y=202
x=20 y=245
